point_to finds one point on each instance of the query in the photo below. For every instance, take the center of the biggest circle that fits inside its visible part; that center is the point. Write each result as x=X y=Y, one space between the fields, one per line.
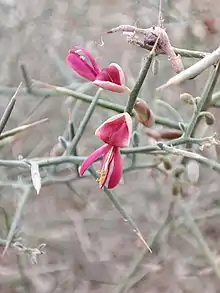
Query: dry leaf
x=35 y=176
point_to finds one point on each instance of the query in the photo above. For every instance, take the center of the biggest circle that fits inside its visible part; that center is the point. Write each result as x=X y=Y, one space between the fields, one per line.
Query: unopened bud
x=144 y=114
x=176 y=188
x=177 y=171
x=187 y=98
x=209 y=118
x=166 y=162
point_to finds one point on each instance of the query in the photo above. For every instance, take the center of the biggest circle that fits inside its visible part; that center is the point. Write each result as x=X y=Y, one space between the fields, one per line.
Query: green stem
x=83 y=124
x=7 y=113
x=43 y=162
x=205 y=97
x=135 y=91
x=182 y=52
x=194 y=156
x=16 y=218
x=58 y=91
x=121 y=288
x=113 y=198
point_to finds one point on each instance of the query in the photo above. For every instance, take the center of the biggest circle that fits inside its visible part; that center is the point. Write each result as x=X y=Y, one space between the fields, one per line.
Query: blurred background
x=89 y=246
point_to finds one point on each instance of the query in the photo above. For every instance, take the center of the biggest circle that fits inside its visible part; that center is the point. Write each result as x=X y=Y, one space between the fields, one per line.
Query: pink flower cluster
x=114 y=132
x=110 y=78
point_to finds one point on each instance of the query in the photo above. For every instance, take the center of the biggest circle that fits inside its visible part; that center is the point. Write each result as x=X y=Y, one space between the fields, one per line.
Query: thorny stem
x=139 y=258
x=8 y=110
x=88 y=99
x=16 y=218
x=135 y=91
x=21 y=128
x=173 y=142
x=145 y=45
x=205 y=98
x=27 y=80
x=140 y=80
x=83 y=124
x=200 y=238
x=194 y=70
x=178 y=51
x=194 y=156
x=116 y=203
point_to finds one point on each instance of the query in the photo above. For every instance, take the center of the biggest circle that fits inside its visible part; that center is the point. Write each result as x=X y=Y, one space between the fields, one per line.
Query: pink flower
x=116 y=133
x=110 y=78
x=83 y=63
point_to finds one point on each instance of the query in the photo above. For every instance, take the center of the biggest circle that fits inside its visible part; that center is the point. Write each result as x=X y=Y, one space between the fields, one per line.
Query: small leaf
x=35 y=176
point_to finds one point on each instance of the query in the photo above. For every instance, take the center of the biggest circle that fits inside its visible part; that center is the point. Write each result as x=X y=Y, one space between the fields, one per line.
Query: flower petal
x=112 y=73
x=110 y=86
x=91 y=59
x=117 y=169
x=120 y=71
x=116 y=131
x=93 y=157
x=81 y=66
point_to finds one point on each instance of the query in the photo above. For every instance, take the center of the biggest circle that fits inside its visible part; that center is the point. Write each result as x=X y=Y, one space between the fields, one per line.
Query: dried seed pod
x=170 y=133
x=144 y=113
x=164 y=46
x=163 y=133
x=154 y=133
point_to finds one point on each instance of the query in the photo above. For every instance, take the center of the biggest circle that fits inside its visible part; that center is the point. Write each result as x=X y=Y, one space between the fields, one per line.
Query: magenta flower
x=116 y=133
x=110 y=78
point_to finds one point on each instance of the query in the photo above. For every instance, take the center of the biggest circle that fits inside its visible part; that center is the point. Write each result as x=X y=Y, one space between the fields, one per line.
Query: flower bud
x=187 y=98
x=209 y=118
x=144 y=113
x=166 y=163
x=176 y=188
